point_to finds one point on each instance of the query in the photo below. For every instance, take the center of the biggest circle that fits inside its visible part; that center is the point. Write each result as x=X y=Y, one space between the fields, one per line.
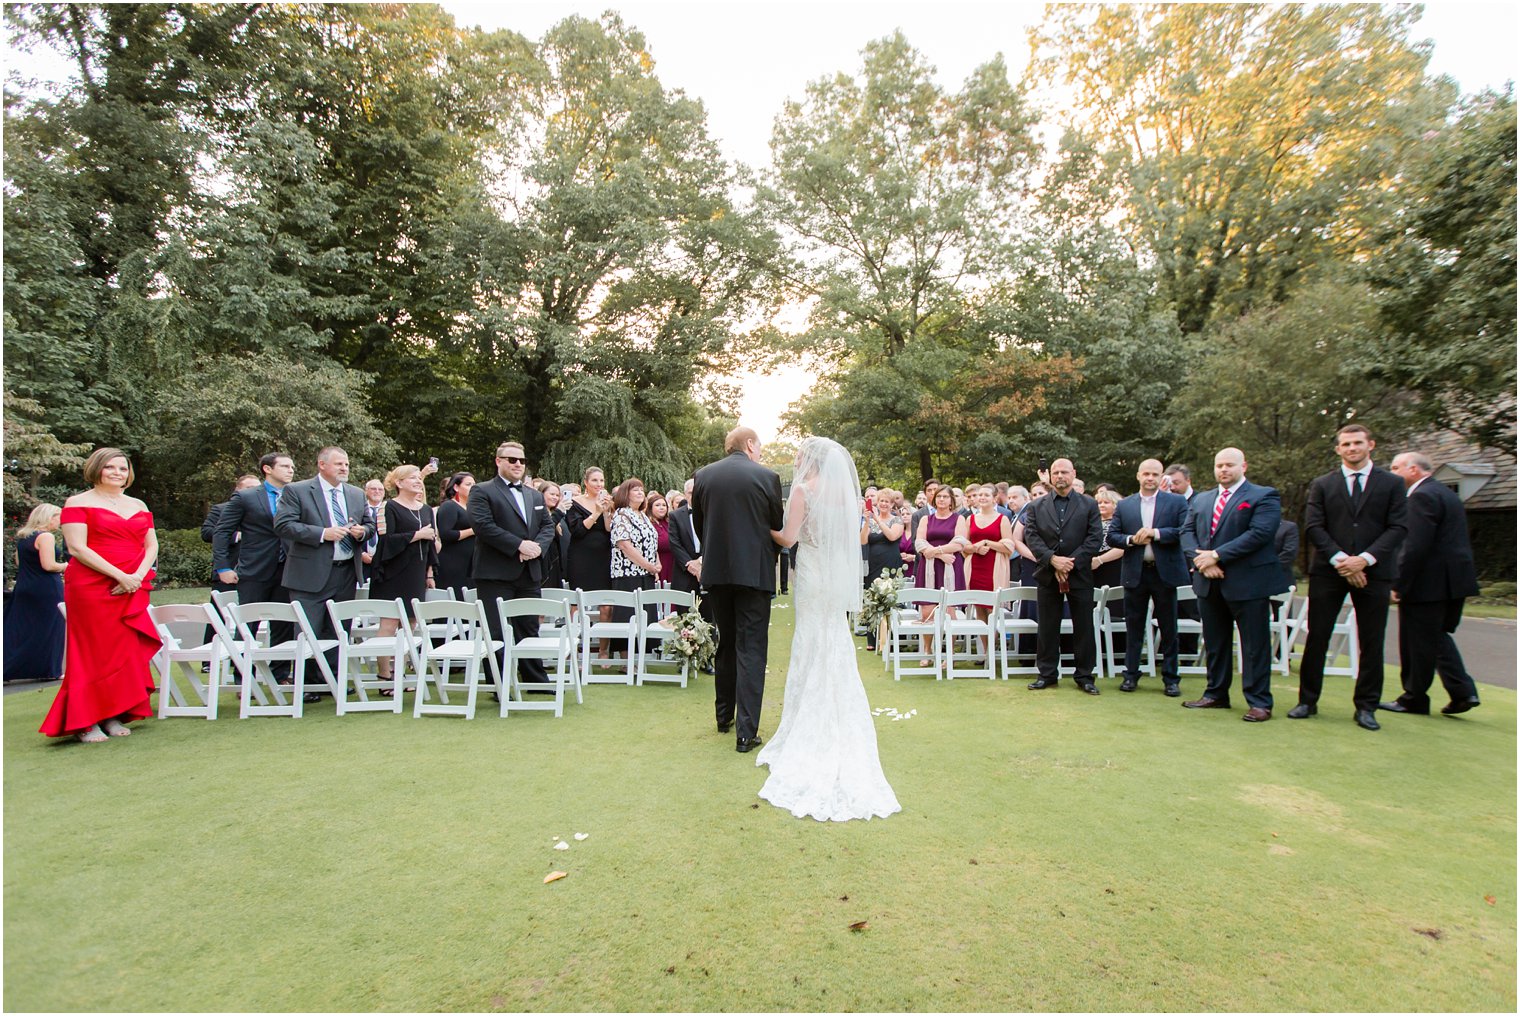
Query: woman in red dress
x=111 y=642
x=990 y=538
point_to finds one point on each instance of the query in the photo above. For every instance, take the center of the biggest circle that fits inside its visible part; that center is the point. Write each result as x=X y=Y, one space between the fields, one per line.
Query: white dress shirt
x=1350 y=477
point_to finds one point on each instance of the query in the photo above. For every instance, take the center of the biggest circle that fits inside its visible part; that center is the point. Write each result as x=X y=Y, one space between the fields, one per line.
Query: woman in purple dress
x=940 y=541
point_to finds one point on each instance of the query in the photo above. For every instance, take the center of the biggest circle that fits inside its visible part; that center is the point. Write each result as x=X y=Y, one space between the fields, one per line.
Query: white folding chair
x=1284 y=630
x=907 y=628
x=181 y=631
x=959 y=622
x=614 y=670
x=553 y=644
x=357 y=623
x=255 y=657
x=1199 y=664
x=663 y=603
x=1343 y=639
x=469 y=645
x=1011 y=625
x=1107 y=626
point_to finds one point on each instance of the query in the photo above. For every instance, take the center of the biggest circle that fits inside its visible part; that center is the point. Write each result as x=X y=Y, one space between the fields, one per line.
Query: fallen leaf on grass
x=843 y=898
x=670 y=970
x=860 y=925
x=754 y=806
x=1274 y=836
x=582 y=836
x=554 y=876
x=1433 y=933
x=1490 y=900
x=973 y=860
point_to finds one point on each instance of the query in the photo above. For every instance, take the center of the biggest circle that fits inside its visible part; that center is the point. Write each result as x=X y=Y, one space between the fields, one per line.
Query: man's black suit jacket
x=1375 y=526
x=683 y=550
x=257 y=555
x=500 y=531
x=1437 y=560
x=737 y=503
x=1080 y=538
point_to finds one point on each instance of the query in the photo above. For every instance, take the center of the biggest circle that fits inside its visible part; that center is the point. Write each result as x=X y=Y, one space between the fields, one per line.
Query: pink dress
x=111 y=642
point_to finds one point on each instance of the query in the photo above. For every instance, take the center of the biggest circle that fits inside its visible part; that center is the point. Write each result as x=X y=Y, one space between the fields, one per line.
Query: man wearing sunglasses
x=513 y=531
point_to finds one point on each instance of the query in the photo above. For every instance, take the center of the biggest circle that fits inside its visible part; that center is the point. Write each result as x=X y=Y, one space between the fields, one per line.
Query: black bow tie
x=514 y=486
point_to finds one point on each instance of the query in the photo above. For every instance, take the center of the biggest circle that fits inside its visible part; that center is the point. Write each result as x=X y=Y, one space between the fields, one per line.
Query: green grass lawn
x=1055 y=851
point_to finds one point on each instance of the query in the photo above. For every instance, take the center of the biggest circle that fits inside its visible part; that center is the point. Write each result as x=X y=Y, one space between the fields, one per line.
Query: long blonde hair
x=38 y=520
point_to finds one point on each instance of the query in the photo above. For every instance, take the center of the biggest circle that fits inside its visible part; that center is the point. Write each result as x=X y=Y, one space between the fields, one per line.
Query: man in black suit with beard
x=1436 y=575
x=513 y=532
x=1354 y=523
x=1064 y=532
x=736 y=504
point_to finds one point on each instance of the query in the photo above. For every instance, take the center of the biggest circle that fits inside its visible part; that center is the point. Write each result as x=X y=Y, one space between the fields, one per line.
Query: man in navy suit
x=1228 y=538
x=1355 y=525
x=247 y=555
x=1148 y=527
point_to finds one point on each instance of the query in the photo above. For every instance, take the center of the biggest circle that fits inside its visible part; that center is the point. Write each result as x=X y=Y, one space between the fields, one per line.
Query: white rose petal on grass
x=562 y=845
x=582 y=836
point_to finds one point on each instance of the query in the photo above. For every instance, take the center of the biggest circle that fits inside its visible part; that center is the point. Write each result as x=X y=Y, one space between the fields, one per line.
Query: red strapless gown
x=111 y=641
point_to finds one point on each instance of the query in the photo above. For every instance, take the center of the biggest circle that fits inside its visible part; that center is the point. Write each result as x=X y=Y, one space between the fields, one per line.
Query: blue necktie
x=340 y=518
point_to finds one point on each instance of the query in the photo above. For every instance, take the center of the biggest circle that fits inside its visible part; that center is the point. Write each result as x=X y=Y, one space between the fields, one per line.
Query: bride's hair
x=829 y=487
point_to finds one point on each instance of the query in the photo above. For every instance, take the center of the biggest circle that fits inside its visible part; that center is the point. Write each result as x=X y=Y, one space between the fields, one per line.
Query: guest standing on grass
x=1355 y=525
x=322 y=522
x=513 y=532
x=406 y=557
x=1436 y=576
x=557 y=561
x=111 y=642
x=635 y=544
x=1228 y=539
x=1147 y=528
x=1064 y=531
x=455 y=571
x=33 y=626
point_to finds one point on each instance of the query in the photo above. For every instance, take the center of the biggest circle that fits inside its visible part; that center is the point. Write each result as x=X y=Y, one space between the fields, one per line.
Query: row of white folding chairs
x=447 y=633
x=955 y=631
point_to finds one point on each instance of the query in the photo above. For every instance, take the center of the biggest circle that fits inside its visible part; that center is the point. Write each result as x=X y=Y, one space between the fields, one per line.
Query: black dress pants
x=1084 y=639
x=1427 y=648
x=1326 y=594
x=1162 y=598
x=525 y=627
x=743 y=616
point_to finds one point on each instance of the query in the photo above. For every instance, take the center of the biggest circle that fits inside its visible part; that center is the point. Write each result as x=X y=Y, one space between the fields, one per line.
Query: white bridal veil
x=830 y=488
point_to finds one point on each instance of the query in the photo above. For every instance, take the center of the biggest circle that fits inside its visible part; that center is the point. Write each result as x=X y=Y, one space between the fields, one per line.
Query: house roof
x=1449 y=449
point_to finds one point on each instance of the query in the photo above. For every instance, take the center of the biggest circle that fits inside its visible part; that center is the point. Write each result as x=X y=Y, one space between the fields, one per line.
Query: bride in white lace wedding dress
x=823 y=756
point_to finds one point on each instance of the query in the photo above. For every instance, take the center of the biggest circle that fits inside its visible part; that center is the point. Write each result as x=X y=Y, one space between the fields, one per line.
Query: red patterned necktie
x=1224 y=495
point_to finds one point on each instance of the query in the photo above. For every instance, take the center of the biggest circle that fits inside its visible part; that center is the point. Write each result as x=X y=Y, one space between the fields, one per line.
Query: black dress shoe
x=1044 y=682
x=1366 y=720
x=1129 y=684
x=1455 y=706
x=747 y=744
x=1302 y=711
x=1173 y=689
x=1089 y=687
x=724 y=728
x=708 y=670
x=311 y=696
x=1399 y=707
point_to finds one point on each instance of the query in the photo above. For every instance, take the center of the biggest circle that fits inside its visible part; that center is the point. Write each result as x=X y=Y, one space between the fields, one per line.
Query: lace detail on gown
x=823 y=757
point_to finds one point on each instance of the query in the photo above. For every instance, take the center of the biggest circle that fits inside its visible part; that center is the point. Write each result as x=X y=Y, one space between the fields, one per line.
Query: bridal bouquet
x=880 y=598
x=694 y=641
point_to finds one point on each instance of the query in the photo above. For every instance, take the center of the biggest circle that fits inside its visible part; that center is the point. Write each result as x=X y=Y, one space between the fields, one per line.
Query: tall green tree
x=1249 y=148
x=902 y=197
x=1446 y=275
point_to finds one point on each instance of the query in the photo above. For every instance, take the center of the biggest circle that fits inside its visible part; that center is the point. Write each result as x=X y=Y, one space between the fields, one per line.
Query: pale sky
x=744 y=59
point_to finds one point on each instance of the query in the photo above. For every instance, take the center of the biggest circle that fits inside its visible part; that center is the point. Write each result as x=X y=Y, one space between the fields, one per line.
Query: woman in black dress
x=557 y=560
x=589 y=519
x=880 y=533
x=33 y=625
x=456 y=559
x=407 y=555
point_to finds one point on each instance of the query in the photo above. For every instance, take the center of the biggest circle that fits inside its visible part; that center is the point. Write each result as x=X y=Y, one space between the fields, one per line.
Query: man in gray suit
x=321 y=521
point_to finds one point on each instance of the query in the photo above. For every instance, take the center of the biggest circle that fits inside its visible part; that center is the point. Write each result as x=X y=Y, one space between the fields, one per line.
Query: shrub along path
x=1055 y=852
